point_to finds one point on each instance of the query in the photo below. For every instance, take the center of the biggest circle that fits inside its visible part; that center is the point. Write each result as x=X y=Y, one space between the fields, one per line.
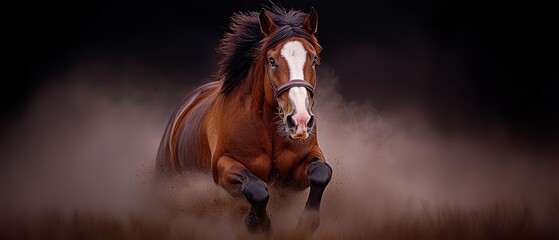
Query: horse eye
x=272 y=62
x=314 y=62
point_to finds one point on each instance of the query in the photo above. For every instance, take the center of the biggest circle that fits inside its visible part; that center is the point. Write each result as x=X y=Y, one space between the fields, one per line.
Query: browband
x=294 y=83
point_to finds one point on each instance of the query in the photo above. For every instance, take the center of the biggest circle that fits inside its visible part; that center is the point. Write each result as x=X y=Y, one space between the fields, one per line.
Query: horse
x=254 y=126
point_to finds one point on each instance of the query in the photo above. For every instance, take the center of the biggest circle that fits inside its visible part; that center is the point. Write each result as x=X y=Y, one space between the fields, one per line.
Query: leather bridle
x=290 y=84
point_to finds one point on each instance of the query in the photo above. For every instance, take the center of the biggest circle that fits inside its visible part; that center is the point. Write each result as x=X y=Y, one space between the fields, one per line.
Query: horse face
x=294 y=59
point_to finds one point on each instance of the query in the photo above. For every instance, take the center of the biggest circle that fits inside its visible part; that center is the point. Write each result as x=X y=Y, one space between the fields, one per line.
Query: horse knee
x=255 y=191
x=319 y=173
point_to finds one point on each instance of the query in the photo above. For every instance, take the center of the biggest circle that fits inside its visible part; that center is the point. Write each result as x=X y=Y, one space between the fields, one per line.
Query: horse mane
x=243 y=43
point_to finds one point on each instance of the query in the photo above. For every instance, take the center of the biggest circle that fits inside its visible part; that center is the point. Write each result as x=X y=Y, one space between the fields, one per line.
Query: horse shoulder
x=236 y=131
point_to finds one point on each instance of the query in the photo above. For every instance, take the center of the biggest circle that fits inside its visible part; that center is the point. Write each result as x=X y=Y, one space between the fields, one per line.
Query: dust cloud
x=87 y=145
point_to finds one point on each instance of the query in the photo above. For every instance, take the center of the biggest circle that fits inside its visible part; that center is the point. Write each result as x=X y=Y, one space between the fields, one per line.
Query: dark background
x=469 y=65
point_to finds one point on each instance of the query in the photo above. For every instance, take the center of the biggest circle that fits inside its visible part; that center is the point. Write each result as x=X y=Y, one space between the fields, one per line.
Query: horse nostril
x=310 y=124
x=290 y=122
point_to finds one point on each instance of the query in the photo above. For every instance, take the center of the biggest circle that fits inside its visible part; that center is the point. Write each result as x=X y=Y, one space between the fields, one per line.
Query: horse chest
x=266 y=159
x=284 y=162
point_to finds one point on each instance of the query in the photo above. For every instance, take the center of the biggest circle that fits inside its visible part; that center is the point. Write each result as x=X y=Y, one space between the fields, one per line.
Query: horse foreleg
x=238 y=180
x=317 y=173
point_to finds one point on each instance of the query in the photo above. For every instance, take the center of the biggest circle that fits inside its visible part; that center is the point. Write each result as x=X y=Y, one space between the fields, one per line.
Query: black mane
x=244 y=41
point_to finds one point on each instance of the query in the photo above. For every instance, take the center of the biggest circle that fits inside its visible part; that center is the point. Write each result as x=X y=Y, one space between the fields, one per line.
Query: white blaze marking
x=296 y=55
x=299 y=96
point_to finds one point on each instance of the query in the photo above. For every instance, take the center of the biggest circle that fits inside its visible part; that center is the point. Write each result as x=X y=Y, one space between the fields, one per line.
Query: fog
x=87 y=142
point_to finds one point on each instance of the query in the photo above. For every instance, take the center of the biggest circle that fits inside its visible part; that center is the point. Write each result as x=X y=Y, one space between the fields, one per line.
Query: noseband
x=290 y=84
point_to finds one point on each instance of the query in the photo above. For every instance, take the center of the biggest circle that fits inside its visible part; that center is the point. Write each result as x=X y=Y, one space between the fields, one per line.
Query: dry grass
x=498 y=222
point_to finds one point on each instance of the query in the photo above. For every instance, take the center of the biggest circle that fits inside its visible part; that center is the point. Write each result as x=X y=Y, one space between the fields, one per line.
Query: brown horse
x=255 y=126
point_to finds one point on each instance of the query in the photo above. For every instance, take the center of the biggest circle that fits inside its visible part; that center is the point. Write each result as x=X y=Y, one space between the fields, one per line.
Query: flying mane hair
x=242 y=44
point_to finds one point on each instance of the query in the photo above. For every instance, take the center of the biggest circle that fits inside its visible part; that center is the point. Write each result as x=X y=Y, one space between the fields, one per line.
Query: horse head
x=290 y=72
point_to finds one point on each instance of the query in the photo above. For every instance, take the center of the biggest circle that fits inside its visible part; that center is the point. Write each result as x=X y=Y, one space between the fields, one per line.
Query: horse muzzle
x=299 y=123
x=299 y=126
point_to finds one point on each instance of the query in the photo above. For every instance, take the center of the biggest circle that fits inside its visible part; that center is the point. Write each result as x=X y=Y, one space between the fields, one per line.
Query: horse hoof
x=258 y=224
x=309 y=221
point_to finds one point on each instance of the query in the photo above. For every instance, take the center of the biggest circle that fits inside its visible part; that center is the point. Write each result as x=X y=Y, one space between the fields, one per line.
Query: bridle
x=288 y=85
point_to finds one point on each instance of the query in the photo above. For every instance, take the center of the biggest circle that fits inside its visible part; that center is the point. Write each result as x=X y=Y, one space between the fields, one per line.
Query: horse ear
x=266 y=24
x=311 y=23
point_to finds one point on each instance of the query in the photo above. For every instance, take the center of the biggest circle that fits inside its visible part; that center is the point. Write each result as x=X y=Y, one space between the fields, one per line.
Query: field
x=78 y=165
x=499 y=222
